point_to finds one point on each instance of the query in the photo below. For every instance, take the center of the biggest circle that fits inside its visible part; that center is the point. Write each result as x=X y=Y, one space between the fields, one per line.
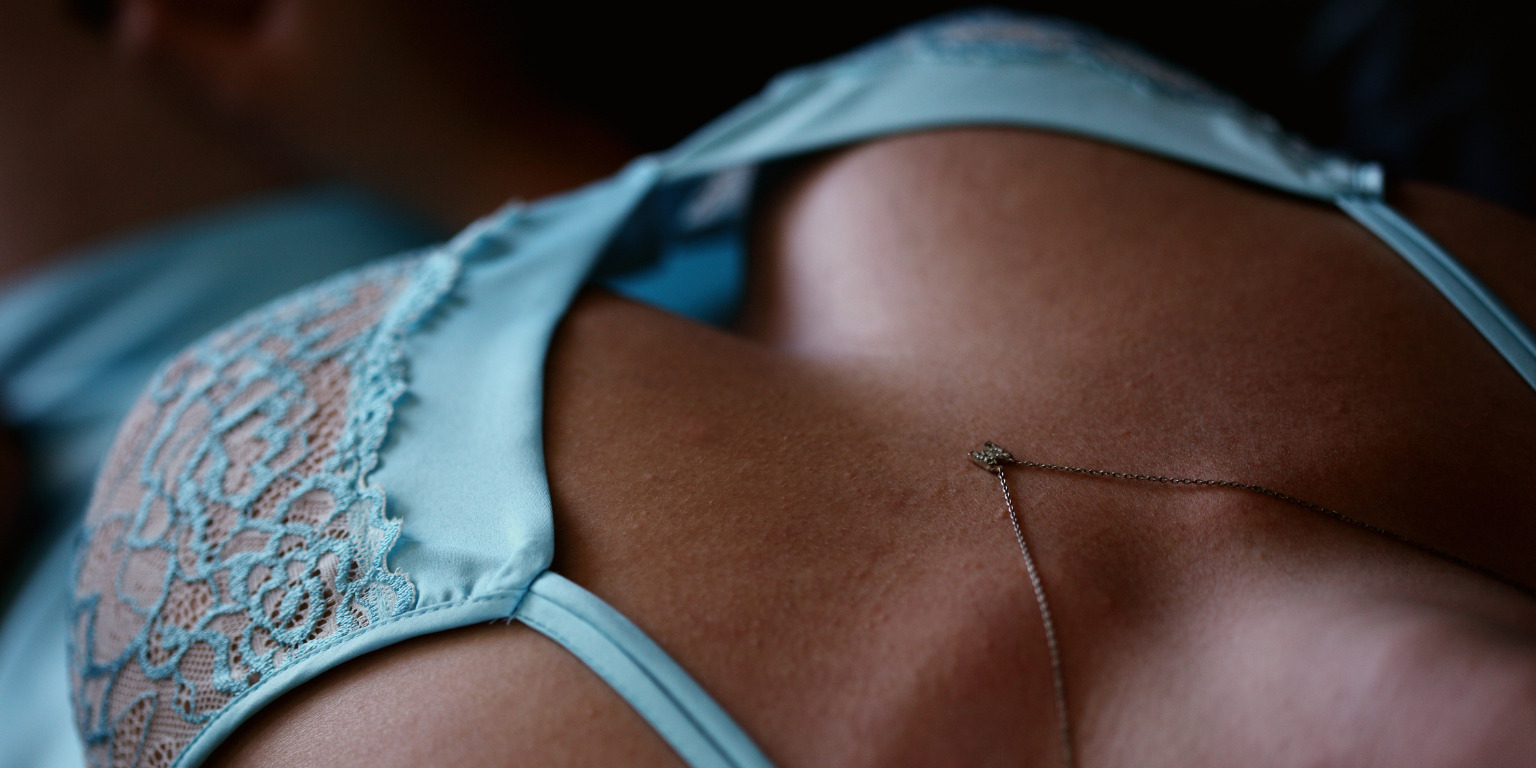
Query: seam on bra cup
x=659 y=690
x=1474 y=300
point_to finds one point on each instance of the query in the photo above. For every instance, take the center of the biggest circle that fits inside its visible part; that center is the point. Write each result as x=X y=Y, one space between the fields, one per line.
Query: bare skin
x=381 y=92
x=787 y=507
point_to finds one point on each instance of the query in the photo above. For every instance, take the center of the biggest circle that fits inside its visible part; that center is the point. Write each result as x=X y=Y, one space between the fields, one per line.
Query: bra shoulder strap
x=701 y=733
x=1469 y=295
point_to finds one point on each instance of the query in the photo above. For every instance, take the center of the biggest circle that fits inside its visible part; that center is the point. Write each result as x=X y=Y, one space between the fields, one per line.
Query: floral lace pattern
x=996 y=36
x=233 y=531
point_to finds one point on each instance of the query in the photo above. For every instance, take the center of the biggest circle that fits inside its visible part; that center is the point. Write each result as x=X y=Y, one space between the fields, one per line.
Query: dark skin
x=386 y=93
x=787 y=508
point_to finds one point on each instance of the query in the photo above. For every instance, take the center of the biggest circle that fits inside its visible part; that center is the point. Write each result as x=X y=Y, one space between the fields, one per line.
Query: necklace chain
x=1060 y=685
x=993 y=458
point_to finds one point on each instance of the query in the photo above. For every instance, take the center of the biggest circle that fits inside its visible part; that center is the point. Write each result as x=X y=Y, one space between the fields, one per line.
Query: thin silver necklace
x=993 y=458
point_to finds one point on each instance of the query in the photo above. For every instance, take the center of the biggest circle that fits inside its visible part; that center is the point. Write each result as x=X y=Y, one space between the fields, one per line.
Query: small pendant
x=992 y=457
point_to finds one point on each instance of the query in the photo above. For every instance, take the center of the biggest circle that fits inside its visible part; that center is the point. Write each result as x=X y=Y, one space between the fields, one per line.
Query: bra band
x=703 y=735
x=1479 y=305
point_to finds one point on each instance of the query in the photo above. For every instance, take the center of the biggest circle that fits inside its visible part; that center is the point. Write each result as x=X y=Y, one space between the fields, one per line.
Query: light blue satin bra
x=241 y=542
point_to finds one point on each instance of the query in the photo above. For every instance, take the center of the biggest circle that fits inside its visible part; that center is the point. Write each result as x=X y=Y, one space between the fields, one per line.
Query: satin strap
x=1498 y=325
x=703 y=735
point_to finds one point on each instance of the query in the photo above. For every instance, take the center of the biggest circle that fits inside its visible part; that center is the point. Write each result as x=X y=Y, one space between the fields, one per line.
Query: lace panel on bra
x=993 y=36
x=233 y=530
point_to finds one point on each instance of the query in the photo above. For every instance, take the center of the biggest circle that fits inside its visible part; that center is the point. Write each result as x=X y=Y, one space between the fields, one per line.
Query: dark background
x=1433 y=90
